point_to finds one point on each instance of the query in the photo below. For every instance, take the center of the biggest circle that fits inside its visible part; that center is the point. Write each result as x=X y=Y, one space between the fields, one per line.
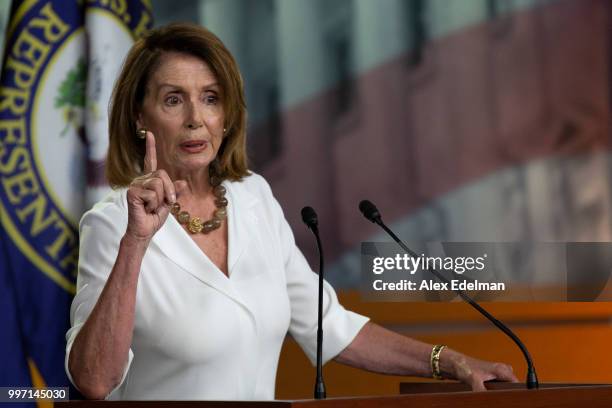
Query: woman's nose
x=194 y=118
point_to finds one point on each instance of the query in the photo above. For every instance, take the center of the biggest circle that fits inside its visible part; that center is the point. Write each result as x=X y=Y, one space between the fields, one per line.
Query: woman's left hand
x=473 y=371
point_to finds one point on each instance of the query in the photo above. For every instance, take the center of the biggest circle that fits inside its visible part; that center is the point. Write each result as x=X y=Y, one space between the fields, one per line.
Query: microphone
x=369 y=211
x=309 y=216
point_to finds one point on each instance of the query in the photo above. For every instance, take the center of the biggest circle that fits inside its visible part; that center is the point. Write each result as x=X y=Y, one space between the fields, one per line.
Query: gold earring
x=141 y=133
x=224 y=130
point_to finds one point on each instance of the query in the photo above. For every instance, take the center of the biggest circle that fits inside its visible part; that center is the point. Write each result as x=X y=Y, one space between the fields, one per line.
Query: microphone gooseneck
x=369 y=211
x=309 y=216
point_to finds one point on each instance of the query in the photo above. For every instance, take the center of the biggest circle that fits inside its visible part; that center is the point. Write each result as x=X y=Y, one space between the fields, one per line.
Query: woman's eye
x=211 y=99
x=172 y=100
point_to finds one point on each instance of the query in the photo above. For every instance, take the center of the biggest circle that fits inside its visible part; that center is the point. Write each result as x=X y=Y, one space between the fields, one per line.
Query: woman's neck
x=198 y=182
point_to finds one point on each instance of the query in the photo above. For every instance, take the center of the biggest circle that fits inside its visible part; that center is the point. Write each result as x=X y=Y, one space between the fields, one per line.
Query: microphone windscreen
x=309 y=216
x=369 y=210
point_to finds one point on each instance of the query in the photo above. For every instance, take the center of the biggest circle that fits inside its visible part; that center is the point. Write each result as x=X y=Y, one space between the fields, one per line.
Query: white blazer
x=199 y=334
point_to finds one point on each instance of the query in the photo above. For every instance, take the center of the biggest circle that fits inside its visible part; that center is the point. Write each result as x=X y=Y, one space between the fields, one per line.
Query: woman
x=189 y=277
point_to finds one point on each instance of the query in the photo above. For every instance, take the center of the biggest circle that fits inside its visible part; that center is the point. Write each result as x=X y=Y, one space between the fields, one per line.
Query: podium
x=413 y=395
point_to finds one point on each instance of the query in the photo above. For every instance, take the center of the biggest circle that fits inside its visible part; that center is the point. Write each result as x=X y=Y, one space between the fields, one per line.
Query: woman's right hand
x=149 y=196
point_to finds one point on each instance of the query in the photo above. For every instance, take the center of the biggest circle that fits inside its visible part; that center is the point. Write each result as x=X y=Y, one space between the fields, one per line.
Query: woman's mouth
x=193 y=146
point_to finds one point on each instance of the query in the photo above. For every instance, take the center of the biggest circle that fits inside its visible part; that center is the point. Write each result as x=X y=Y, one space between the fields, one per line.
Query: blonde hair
x=126 y=151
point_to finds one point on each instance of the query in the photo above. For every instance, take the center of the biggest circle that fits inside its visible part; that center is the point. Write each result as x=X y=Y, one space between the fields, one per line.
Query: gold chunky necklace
x=195 y=225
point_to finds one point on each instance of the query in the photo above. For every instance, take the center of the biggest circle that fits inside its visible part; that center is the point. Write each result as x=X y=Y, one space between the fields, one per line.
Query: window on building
x=418 y=34
x=338 y=32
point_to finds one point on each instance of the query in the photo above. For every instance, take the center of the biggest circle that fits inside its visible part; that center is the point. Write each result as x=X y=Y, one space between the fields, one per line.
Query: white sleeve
x=340 y=326
x=100 y=233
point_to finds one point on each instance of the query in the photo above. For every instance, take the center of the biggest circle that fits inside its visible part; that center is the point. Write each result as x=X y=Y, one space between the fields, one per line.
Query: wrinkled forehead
x=181 y=70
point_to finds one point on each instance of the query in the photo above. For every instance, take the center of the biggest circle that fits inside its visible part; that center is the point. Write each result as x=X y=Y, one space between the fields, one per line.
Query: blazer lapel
x=242 y=222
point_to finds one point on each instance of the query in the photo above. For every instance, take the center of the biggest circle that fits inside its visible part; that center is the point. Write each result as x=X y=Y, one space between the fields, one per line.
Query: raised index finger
x=150 y=159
